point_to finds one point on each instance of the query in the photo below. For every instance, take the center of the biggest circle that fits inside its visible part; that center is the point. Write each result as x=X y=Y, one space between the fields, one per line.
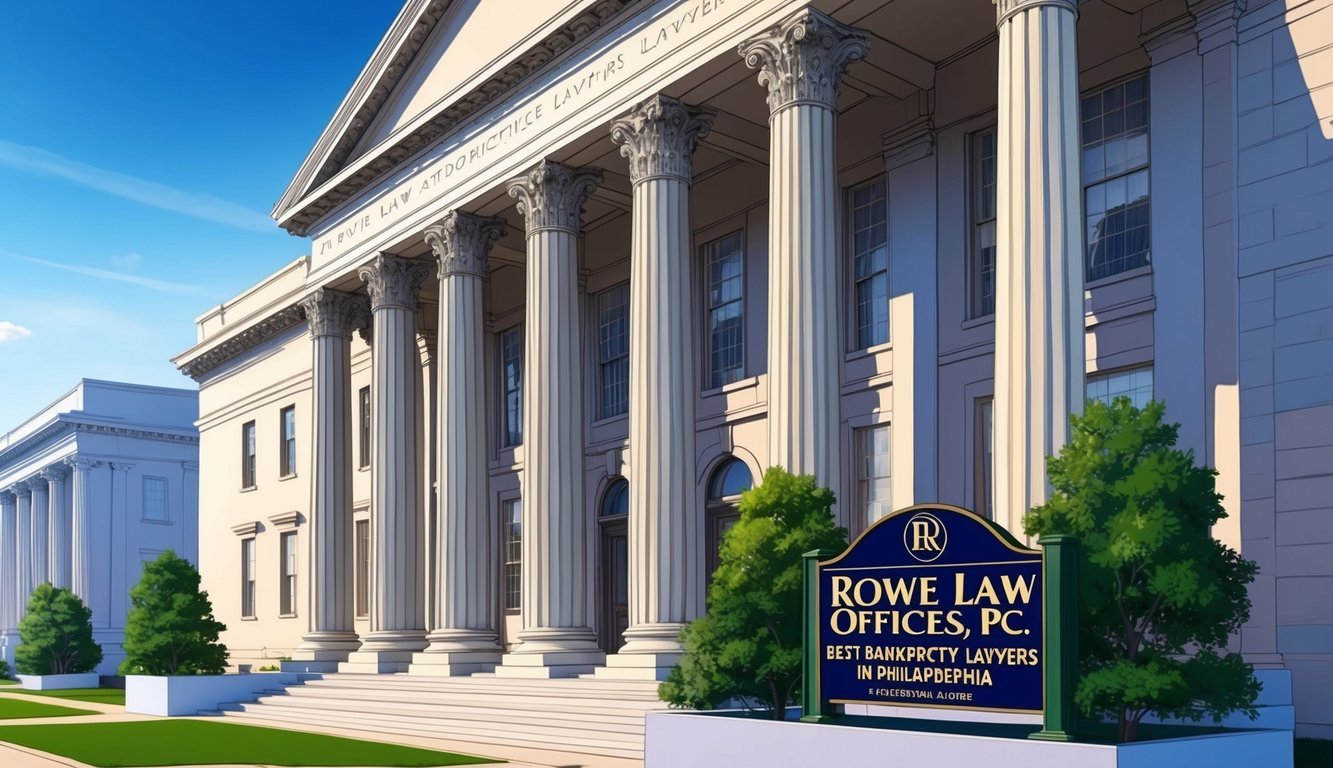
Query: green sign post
x=1059 y=718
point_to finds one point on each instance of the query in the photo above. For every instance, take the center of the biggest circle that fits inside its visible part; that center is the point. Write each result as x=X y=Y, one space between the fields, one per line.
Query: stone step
x=588 y=705
x=573 y=686
x=608 y=719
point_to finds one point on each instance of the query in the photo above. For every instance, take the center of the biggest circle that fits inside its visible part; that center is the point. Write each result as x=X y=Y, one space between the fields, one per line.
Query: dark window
x=155 y=499
x=248 y=578
x=288 y=574
x=288 y=419
x=511 y=378
x=613 y=350
x=248 y=455
x=362 y=530
x=984 y=457
x=616 y=500
x=511 y=512
x=1115 y=178
x=870 y=263
x=730 y=479
x=365 y=426
x=725 y=260
x=983 y=223
x=1134 y=383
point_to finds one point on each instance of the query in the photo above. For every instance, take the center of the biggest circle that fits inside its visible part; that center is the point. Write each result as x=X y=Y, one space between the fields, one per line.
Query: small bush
x=56 y=635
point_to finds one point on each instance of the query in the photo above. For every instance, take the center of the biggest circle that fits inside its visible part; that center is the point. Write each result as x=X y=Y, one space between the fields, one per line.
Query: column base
x=638 y=666
x=457 y=652
x=325 y=647
x=385 y=651
x=552 y=652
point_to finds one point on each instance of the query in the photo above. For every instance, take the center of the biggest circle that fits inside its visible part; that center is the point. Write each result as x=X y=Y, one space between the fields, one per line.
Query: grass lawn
x=7 y=681
x=96 y=695
x=200 y=742
x=1314 y=753
x=12 y=709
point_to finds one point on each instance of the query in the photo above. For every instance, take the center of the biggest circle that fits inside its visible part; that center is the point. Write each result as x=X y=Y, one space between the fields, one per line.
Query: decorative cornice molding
x=81 y=464
x=394 y=282
x=67 y=423
x=334 y=313
x=802 y=58
x=208 y=360
x=659 y=135
x=190 y=466
x=285 y=519
x=551 y=195
x=246 y=529
x=909 y=143
x=462 y=242
x=121 y=466
x=1006 y=8
x=484 y=95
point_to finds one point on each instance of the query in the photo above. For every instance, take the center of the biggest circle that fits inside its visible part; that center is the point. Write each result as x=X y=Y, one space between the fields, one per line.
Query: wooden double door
x=614 y=587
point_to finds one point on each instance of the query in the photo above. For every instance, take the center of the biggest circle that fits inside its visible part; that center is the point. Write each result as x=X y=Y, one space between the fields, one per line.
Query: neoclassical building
x=577 y=277
x=101 y=481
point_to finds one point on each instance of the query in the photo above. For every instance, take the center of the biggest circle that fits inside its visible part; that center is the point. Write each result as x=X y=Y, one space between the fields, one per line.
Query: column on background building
x=426 y=343
x=397 y=605
x=1039 y=324
x=81 y=545
x=41 y=530
x=58 y=527
x=659 y=137
x=22 y=552
x=556 y=638
x=463 y=638
x=330 y=632
x=801 y=61
x=8 y=563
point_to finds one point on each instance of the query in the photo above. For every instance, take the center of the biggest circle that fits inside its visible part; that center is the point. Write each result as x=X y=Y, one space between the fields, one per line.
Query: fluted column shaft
x=23 y=583
x=41 y=530
x=555 y=521
x=58 y=524
x=464 y=638
x=658 y=137
x=397 y=605
x=81 y=548
x=801 y=61
x=1039 y=249
x=330 y=634
x=8 y=563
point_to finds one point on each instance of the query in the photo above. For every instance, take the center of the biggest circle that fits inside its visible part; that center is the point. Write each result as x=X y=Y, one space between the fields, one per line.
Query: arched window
x=729 y=480
x=616 y=499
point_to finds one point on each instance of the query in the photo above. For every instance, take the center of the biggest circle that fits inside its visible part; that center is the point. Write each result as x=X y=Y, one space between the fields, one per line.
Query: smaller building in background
x=100 y=482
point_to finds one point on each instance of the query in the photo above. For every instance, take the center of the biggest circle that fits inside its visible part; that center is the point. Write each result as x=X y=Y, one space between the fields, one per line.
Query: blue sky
x=142 y=145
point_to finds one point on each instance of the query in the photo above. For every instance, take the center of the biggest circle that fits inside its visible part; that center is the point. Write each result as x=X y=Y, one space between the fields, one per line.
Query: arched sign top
x=931 y=534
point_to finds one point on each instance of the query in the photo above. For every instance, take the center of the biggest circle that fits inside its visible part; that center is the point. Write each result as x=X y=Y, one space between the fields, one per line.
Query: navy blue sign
x=932 y=606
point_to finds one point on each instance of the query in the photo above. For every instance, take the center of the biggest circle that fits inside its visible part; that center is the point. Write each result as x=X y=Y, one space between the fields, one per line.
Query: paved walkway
x=13 y=756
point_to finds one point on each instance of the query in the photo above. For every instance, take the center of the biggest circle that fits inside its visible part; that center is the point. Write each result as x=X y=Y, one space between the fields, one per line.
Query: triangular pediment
x=435 y=53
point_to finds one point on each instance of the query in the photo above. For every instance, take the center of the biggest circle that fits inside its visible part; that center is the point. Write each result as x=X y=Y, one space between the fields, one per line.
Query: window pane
x=1135 y=383
x=1115 y=174
x=613 y=350
x=731 y=478
x=870 y=263
x=362 y=567
x=983 y=181
x=726 y=309
x=365 y=426
x=511 y=374
x=873 y=472
x=155 y=498
x=616 y=500
x=512 y=520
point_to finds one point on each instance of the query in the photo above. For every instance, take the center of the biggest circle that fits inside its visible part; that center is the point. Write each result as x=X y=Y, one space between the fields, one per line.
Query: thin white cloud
x=164 y=286
x=36 y=160
x=129 y=262
x=12 y=331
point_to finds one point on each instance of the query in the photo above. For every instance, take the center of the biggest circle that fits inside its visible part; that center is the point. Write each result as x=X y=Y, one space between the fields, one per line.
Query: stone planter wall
x=191 y=694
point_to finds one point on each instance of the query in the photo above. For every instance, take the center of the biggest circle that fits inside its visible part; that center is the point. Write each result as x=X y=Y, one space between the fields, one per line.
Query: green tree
x=170 y=629
x=1159 y=596
x=56 y=635
x=748 y=646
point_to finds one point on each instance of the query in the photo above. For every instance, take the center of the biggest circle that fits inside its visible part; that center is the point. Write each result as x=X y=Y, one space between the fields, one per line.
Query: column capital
x=394 y=281
x=1006 y=8
x=658 y=137
x=20 y=488
x=802 y=58
x=81 y=463
x=121 y=466
x=190 y=466
x=53 y=473
x=333 y=313
x=551 y=195
x=462 y=241
x=7 y=496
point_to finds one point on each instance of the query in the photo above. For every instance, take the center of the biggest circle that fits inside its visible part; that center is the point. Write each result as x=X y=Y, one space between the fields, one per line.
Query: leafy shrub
x=170 y=629
x=56 y=635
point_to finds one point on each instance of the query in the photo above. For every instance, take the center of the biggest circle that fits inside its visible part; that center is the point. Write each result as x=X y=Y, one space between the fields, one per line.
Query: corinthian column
x=8 y=567
x=330 y=634
x=1039 y=250
x=463 y=639
x=397 y=605
x=659 y=137
x=81 y=546
x=801 y=61
x=41 y=530
x=58 y=527
x=22 y=552
x=556 y=639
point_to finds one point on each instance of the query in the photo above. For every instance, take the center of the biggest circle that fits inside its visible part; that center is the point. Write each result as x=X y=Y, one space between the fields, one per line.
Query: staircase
x=582 y=715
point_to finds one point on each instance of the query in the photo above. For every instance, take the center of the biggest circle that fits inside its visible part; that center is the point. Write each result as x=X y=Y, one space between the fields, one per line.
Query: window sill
x=249 y=618
x=292 y=476
x=152 y=521
x=857 y=354
x=735 y=386
x=286 y=615
x=363 y=468
x=513 y=611
x=611 y=419
x=977 y=322
x=249 y=488
x=1119 y=277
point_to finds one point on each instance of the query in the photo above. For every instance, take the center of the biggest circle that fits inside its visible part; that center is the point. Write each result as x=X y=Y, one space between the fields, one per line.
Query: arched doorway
x=613 y=520
x=729 y=480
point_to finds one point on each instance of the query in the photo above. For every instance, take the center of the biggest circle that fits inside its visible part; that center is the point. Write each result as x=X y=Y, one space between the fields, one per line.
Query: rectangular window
x=248 y=455
x=155 y=498
x=984 y=457
x=288 y=574
x=362 y=568
x=613 y=350
x=511 y=379
x=288 y=447
x=725 y=260
x=248 y=578
x=364 y=400
x=1135 y=383
x=873 y=476
x=511 y=518
x=1115 y=178
x=870 y=263
x=983 y=224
